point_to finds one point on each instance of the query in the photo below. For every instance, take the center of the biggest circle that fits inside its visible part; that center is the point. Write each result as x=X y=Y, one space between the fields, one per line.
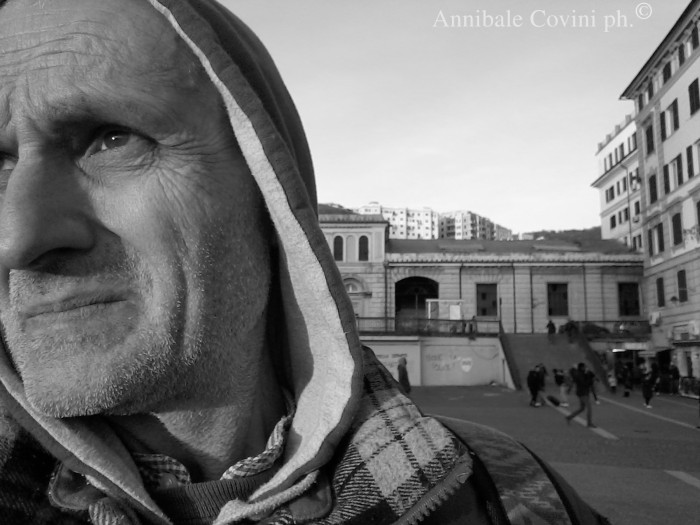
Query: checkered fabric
x=155 y=467
x=527 y=494
x=393 y=458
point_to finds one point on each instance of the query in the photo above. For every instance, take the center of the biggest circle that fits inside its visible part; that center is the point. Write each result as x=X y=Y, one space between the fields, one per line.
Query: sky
x=407 y=108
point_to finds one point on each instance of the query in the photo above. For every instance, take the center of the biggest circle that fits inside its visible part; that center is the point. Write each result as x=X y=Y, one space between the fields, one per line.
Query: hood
x=322 y=354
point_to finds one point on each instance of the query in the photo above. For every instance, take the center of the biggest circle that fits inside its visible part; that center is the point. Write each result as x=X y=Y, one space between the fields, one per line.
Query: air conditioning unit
x=635 y=218
x=655 y=318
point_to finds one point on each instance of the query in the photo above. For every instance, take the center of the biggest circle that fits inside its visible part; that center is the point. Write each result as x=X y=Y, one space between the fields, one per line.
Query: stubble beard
x=122 y=368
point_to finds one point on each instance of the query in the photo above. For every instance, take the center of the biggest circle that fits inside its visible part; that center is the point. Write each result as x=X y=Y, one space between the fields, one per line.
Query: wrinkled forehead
x=92 y=36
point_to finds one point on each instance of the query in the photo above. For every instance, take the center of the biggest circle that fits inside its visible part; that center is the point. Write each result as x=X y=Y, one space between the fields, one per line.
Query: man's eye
x=114 y=138
x=7 y=162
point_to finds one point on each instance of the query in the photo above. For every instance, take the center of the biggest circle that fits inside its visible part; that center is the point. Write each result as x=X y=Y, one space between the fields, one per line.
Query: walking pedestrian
x=533 y=385
x=551 y=332
x=403 y=376
x=583 y=392
x=612 y=381
x=627 y=378
x=592 y=379
x=649 y=381
x=675 y=378
x=560 y=381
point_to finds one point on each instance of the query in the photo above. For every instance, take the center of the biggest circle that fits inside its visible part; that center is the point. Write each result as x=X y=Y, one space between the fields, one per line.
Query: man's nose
x=41 y=211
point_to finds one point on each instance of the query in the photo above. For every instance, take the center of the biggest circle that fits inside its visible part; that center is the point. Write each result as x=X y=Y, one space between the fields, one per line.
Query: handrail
x=510 y=358
x=423 y=326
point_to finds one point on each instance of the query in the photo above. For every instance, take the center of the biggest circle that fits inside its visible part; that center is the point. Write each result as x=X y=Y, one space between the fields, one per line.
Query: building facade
x=666 y=93
x=519 y=284
x=619 y=186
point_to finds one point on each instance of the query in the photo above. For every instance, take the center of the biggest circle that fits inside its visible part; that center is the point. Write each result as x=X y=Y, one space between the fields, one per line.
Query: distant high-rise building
x=424 y=223
x=405 y=223
x=469 y=225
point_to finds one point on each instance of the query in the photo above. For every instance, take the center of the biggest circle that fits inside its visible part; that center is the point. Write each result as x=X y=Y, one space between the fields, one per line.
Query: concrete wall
x=443 y=361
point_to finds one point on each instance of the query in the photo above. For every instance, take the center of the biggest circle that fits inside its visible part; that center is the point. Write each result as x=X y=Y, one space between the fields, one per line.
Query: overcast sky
x=402 y=107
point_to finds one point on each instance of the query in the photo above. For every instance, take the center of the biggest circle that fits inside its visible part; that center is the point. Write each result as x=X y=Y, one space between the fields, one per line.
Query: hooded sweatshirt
x=322 y=358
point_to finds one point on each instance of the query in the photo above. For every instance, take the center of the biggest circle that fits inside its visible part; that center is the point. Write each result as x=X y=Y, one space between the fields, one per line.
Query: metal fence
x=617 y=329
x=421 y=326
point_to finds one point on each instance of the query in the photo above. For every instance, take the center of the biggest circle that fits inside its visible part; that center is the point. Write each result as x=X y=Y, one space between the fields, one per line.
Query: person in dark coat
x=583 y=383
x=534 y=385
x=649 y=382
x=403 y=376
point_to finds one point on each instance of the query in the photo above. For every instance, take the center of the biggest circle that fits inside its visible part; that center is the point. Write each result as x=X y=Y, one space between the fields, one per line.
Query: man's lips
x=68 y=304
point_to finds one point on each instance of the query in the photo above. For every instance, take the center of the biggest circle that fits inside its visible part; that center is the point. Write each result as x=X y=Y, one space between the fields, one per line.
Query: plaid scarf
x=392 y=460
x=393 y=457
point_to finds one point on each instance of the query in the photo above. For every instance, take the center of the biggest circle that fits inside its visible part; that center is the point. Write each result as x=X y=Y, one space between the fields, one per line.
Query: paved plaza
x=638 y=467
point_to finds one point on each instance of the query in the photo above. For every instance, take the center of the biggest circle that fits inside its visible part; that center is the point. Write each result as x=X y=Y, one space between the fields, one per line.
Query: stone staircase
x=527 y=350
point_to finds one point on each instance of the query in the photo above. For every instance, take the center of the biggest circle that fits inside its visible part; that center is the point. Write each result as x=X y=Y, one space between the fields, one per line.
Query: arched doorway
x=411 y=294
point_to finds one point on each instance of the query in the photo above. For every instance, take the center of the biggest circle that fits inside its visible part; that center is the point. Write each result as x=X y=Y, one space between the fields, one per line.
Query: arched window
x=350 y=248
x=338 y=248
x=364 y=249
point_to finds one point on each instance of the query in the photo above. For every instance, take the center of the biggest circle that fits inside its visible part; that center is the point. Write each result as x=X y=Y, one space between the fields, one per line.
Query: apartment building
x=619 y=186
x=462 y=225
x=666 y=93
x=405 y=223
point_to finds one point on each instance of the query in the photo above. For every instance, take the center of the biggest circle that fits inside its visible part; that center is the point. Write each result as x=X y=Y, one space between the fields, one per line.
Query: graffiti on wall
x=449 y=362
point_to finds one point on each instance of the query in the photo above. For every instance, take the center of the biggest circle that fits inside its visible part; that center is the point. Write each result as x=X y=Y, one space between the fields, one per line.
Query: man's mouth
x=81 y=305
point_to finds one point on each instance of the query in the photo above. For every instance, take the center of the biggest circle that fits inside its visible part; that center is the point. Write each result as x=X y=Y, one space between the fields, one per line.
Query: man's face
x=132 y=235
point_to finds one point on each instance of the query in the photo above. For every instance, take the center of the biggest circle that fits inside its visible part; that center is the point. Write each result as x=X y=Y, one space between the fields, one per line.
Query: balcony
x=619 y=330
x=428 y=327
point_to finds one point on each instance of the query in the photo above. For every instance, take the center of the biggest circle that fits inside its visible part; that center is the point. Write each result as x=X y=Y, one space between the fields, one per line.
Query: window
x=662 y=124
x=691 y=161
x=694 y=96
x=669 y=121
x=628 y=298
x=649 y=132
x=487 y=300
x=667 y=180
x=610 y=194
x=625 y=215
x=656 y=239
x=677 y=228
x=640 y=102
x=637 y=208
x=660 y=238
x=338 y=248
x=650 y=90
x=653 y=192
x=677 y=166
x=660 y=296
x=363 y=254
x=695 y=38
x=557 y=299
x=613 y=222
x=681 y=55
x=682 y=287
x=637 y=242
x=673 y=108
x=667 y=72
